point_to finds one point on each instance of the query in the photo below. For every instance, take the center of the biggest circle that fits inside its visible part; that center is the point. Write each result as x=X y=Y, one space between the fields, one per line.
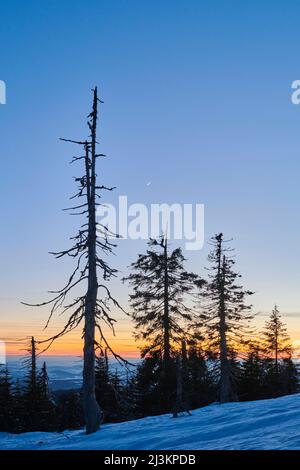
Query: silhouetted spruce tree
x=225 y=314
x=89 y=247
x=200 y=386
x=277 y=349
x=19 y=407
x=39 y=409
x=102 y=387
x=46 y=406
x=290 y=377
x=6 y=401
x=181 y=404
x=148 y=393
x=276 y=341
x=130 y=397
x=160 y=309
x=69 y=410
x=108 y=391
x=43 y=381
x=252 y=375
x=30 y=389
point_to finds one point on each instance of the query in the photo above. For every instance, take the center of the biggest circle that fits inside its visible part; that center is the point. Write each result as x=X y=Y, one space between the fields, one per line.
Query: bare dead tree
x=92 y=238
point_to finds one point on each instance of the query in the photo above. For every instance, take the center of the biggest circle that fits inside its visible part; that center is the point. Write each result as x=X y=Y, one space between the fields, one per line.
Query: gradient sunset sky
x=197 y=100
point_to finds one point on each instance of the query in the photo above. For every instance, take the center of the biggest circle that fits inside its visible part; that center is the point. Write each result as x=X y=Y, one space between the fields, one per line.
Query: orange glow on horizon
x=17 y=334
x=73 y=347
x=128 y=350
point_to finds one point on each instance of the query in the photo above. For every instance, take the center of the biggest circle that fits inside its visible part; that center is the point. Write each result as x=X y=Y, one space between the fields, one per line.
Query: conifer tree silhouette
x=225 y=315
x=161 y=312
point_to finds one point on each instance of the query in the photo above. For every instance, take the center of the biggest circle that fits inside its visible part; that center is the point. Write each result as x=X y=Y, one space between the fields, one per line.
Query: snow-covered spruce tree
x=225 y=315
x=161 y=310
x=88 y=249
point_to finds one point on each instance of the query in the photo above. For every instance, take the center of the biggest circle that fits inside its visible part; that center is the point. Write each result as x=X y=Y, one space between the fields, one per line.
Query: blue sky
x=196 y=100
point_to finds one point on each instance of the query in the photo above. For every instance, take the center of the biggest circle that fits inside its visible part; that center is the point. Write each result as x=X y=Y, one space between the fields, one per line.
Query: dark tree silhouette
x=181 y=378
x=69 y=410
x=199 y=382
x=31 y=379
x=280 y=371
x=43 y=380
x=108 y=390
x=252 y=374
x=275 y=339
x=93 y=307
x=6 y=400
x=225 y=314
x=35 y=401
x=159 y=302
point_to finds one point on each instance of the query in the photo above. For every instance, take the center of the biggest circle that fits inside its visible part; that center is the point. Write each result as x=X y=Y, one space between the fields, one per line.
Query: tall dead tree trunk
x=91 y=239
x=91 y=407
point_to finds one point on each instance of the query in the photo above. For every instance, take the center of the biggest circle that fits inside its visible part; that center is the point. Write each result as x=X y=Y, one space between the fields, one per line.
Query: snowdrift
x=266 y=424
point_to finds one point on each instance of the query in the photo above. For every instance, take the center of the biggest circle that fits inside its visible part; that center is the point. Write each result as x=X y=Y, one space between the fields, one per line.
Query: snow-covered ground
x=266 y=424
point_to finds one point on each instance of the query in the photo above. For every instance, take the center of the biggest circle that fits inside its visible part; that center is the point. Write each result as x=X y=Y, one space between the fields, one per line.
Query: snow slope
x=266 y=424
